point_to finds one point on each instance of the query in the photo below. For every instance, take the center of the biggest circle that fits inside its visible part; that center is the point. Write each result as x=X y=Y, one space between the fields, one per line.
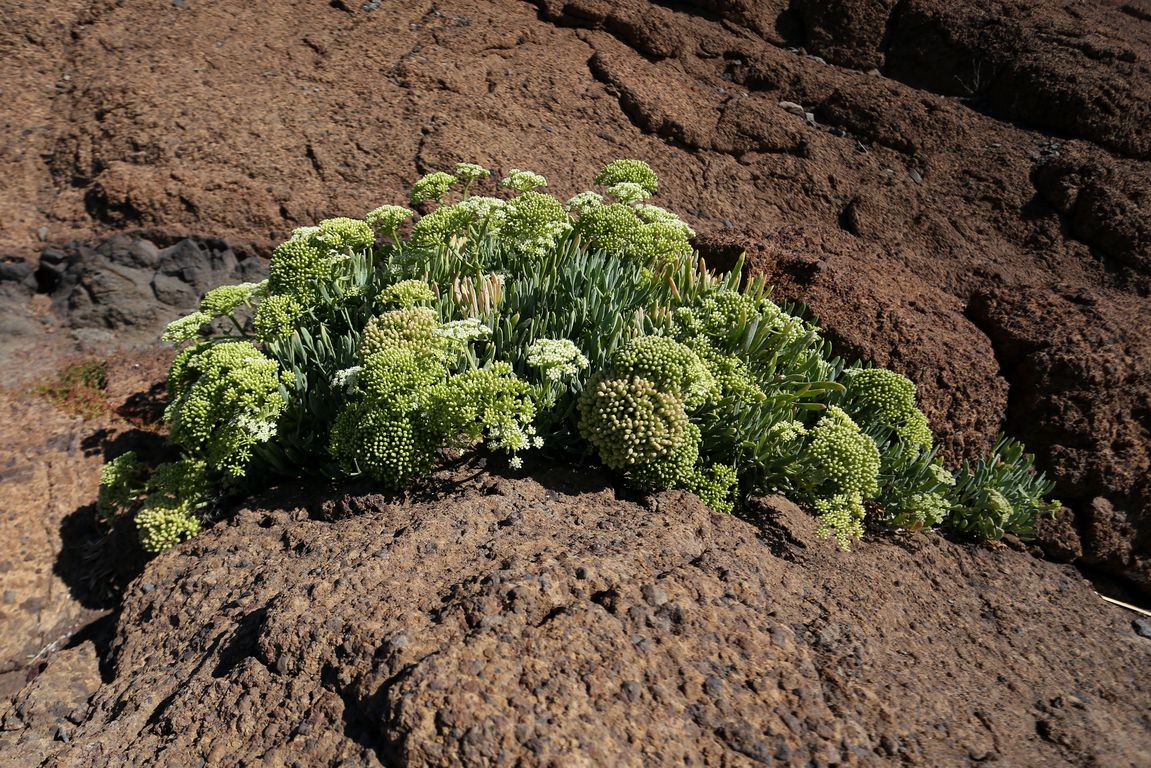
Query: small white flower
x=464 y=330
x=524 y=181
x=556 y=358
x=515 y=462
x=628 y=192
x=584 y=202
x=346 y=379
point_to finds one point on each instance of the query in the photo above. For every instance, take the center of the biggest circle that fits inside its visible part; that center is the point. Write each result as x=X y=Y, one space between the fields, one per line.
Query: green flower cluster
x=557 y=359
x=171 y=513
x=224 y=300
x=175 y=493
x=635 y=414
x=407 y=405
x=840 y=458
x=432 y=187
x=225 y=399
x=513 y=323
x=888 y=399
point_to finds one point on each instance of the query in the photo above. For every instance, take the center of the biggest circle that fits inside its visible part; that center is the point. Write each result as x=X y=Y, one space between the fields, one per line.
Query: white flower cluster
x=556 y=358
x=463 y=330
x=346 y=379
x=484 y=208
x=524 y=181
x=584 y=202
x=261 y=431
x=470 y=172
x=628 y=192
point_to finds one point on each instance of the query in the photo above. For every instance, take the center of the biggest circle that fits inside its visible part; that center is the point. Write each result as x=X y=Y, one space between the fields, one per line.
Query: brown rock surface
x=549 y=622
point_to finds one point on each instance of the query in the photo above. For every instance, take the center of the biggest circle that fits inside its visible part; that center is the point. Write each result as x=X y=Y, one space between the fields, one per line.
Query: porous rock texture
x=547 y=621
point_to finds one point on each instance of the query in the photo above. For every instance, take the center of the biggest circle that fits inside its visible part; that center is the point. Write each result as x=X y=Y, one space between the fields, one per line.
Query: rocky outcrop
x=549 y=621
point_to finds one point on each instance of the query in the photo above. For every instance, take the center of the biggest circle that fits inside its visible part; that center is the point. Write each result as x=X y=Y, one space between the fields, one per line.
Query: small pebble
x=792 y=107
x=1142 y=627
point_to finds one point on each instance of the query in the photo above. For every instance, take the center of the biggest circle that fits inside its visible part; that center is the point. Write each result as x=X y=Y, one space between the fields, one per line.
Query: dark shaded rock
x=128 y=284
x=1058 y=537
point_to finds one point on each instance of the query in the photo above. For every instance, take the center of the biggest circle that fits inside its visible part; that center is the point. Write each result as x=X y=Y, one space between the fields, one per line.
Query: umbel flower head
x=846 y=458
x=556 y=358
x=432 y=187
x=630 y=420
x=386 y=219
x=524 y=181
x=631 y=172
x=225 y=399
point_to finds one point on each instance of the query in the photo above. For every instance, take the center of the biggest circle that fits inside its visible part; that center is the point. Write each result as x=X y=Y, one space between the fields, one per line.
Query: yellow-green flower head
x=844 y=455
x=399 y=376
x=377 y=440
x=927 y=509
x=630 y=421
x=841 y=514
x=224 y=300
x=628 y=192
x=470 y=172
x=162 y=525
x=432 y=187
x=556 y=358
x=524 y=181
x=670 y=366
x=609 y=228
x=413 y=327
x=660 y=243
x=630 y=171
x=489 y=401
x=716 y=487
x=386 y=219
x=889 y=398
x=186 y=328
x=408 y=293
x=732 y=377
x=998 y=505
x=299 y=268
x=942 y=475
x=653 y=214
x=342 y=232
x=584 y=202
x=276 y=317
x=676 y=469
x=534 y=221
x=222 y=395
x=439 y=226
x=120 y=483
x=787 y=432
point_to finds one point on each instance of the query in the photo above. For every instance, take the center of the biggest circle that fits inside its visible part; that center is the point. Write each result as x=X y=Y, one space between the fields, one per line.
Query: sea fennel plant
x=521 y=324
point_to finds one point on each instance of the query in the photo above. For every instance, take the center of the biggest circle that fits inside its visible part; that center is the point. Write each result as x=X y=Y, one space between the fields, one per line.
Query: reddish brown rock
x=546 y=621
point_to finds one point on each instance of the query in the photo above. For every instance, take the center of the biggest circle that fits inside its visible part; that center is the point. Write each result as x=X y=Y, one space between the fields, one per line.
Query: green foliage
x=1001 y=494
x=518 y=323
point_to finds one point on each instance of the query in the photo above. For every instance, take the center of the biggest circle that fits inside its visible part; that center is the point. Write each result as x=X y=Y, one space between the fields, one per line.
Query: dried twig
x=1128 y=606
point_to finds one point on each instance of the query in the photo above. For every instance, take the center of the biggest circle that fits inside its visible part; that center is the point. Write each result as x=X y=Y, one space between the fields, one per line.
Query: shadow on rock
x=98 y=558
